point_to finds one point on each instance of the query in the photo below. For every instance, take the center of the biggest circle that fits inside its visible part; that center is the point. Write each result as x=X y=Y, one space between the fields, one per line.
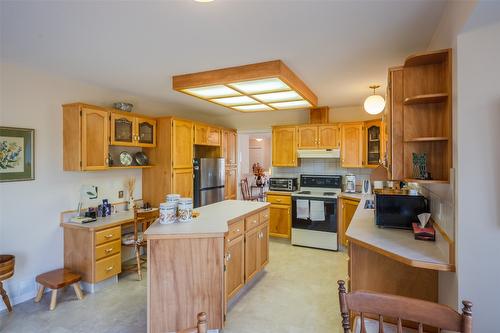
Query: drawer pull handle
x=279 y=200
x=109 y=268
x=108 y=236
x=228 y=257
x=254 y=221
x=108 y=250
x=238 y=230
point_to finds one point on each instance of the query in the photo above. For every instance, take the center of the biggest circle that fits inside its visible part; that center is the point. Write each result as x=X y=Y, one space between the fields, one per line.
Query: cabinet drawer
x=236 y=229
x=264 y=215
x=107 y=235
x=279 y=199
x=108 y=267
x=252 y=221
x=109 y=249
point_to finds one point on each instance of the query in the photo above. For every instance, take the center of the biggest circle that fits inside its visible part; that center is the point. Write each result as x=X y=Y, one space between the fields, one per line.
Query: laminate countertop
x=398 y=244
x=113 y=220
x=212 y=221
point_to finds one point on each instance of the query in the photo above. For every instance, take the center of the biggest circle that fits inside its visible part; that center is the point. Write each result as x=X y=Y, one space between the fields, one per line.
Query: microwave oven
x=283 y=184
x=399 y=210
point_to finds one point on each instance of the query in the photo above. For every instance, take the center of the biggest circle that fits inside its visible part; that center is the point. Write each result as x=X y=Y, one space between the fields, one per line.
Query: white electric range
x=314 y=211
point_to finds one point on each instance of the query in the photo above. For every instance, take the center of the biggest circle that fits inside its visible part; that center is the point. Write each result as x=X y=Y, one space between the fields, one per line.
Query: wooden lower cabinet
x=231 y=185
x=347 y=209
x=235 y=265
x=280 y=215
x=252 y=259
x=263 y=245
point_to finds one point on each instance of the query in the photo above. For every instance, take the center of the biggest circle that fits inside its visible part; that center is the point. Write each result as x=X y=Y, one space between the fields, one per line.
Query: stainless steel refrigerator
x=209 y=178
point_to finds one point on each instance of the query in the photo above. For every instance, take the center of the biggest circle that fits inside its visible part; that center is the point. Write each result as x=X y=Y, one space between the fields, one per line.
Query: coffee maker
x=350 y=186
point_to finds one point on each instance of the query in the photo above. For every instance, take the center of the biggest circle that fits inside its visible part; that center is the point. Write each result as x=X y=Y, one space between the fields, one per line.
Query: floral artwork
x=16 y=154
x=11 y=154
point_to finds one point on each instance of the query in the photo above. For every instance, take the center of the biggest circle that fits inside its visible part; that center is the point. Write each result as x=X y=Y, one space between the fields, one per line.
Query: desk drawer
x=236 y=229
x=108 y=267
x=252 y=221
x=107 y=235
x=106 y=250
x=264 y=215
x=279 y=199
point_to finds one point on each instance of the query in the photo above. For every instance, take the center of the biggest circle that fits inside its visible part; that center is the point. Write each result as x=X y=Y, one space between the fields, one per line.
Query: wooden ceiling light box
x=265 y=86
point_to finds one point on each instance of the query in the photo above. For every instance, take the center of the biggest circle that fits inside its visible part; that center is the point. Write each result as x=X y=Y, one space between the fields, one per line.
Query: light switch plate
x=120 y=194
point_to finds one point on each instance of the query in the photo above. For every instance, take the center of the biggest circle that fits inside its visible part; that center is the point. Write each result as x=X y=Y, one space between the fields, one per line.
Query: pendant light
x=374 y=104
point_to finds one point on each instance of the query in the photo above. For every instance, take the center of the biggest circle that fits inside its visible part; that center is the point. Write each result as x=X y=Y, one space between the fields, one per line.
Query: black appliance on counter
x=399 y=210
x=283 y=184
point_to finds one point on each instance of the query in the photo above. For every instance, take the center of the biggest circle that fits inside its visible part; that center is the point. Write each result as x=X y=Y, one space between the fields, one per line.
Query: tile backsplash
x=322 y=166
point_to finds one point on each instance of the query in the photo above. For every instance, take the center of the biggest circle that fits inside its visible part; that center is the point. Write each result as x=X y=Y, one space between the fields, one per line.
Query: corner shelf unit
x=427 y=122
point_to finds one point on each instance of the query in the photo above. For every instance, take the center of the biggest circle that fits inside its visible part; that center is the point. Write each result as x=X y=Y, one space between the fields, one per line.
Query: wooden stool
x=6 y=271
x=55 y=280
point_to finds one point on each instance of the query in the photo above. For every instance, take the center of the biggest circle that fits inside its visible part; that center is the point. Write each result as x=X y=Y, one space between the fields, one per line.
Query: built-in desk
x=94 y=249
x=392 y=261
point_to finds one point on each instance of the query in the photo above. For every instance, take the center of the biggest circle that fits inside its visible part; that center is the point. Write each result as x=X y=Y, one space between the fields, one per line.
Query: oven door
x=329 y=224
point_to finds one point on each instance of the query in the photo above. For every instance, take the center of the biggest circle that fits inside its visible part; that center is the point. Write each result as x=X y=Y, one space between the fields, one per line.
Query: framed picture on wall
x=17 y=147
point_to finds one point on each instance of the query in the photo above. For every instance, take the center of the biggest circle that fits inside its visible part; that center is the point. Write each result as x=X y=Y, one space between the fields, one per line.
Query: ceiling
x=338 y=48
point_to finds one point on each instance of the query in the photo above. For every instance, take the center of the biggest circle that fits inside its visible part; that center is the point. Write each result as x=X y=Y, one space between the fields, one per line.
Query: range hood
x=318 y=153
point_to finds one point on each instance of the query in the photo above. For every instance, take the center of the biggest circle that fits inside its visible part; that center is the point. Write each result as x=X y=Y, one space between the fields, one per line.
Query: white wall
x=29 y=211
x=478 y=197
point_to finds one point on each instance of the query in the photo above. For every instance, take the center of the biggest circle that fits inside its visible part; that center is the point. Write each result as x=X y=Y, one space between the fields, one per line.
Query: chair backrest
x=245 y=189
x=402 y=308
x=144 y=218
x=201 y=327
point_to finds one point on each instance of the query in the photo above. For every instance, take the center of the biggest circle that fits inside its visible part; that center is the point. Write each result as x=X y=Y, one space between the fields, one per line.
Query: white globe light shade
x=374 y=104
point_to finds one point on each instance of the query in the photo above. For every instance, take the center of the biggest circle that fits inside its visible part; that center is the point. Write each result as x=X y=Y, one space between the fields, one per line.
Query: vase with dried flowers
x=258 y=172
x=131 y=187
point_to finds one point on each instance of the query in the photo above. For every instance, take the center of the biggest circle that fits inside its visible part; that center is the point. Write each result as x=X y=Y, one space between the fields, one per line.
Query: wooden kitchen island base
x=200 y=265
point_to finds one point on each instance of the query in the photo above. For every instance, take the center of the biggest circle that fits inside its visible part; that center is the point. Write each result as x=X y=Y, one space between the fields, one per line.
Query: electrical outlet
x=120 y=194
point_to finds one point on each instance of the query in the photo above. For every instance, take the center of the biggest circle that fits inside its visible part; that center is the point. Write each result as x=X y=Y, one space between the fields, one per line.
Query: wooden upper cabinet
x=230 y=148
x=206 y=135
x=182 y=182
x=351 y=152
x=284 y=146
x=230 y=186
x=307 y=137
x=85 y=137
x=94 y=139
x=182 y=144
x=373 y=147
x=328 y=136
x=131 y=130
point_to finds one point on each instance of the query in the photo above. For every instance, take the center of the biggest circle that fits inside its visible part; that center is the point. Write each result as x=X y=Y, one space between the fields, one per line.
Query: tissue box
x=428 y=233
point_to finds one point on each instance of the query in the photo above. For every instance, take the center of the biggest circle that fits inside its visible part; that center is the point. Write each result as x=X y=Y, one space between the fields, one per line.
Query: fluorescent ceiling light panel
x=260 y=86
x=291 y=105
x=256 y=107
x=282 y=96
x=212 y=91
x=239 y=100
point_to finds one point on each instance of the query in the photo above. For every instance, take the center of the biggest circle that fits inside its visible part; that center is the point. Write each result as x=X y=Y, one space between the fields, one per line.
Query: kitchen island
x=199 y=265
x=392 y=261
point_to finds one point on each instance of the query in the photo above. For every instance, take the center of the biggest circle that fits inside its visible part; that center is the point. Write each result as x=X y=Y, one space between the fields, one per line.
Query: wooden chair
x=245 y=191
x=143 y=218
x=7 y=262
x=399 y=308
x=201 y=327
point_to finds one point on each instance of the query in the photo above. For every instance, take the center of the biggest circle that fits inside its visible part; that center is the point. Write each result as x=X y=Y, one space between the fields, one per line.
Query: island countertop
x=398 y=244
x=212 y=221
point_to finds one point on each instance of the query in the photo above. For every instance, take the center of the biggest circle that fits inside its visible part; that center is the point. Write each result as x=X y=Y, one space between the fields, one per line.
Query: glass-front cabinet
x=128 y=130
x=373 y=143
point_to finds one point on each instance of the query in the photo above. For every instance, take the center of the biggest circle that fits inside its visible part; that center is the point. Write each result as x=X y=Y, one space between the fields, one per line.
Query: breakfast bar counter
x=198 y=266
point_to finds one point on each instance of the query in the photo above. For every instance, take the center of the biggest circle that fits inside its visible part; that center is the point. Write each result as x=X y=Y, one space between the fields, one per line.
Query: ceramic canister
x=185 y=209
x=168 y=212
x=172 y=197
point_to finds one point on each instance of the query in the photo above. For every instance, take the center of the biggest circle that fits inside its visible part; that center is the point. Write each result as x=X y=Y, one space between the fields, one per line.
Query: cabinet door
x=123 y=130
x=252 y=262
x=146 y=132
x=352 y=145
x=285 y=146
x=235 y=266
x=263 y=245
x=182 y=182
x=279 y=221
x=201 y=134
x=182 y=144
x=229 y=147
x=213 y=136
x=373 y=143
x=94 y=139
x=307 y=137
x=348 y=208
x=233 y=186
x=328 y=136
